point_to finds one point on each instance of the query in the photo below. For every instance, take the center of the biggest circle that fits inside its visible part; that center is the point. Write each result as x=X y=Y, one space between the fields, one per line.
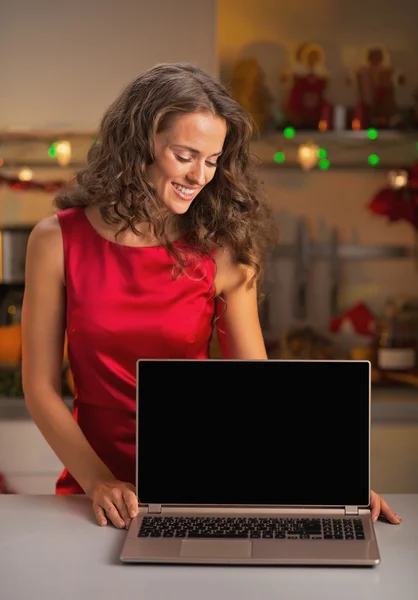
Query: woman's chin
x=178 y=207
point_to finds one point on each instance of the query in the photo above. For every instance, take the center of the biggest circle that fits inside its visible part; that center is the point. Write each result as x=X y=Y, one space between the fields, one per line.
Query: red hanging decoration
x=399 y=204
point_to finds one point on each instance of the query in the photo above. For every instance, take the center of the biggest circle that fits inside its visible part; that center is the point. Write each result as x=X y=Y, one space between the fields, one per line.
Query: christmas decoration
x=25 y=174
x=249 y=89
x=358 y=319
x=17 y=184
x=63 y=152
x=376 y=81
x=398 y=178
x=306 y=106
x=398 y=202
x=308 y=156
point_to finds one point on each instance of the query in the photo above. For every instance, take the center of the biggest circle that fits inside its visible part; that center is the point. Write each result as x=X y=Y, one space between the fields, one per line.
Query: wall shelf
x=31 y=149
x=344 y=149
x=325 y=251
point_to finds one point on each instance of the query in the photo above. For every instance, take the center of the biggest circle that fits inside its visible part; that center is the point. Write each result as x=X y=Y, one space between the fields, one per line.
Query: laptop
x=253 y=462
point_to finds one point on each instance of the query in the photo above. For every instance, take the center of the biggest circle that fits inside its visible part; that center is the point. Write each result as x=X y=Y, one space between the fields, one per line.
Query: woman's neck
x=128 y=237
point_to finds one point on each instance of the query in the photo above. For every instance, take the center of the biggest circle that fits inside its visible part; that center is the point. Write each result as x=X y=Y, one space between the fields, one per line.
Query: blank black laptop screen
x=260 y=432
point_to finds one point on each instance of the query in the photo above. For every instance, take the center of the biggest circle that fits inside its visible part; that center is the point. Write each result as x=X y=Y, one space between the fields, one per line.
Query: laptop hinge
x=154 y=509
x=351 y=510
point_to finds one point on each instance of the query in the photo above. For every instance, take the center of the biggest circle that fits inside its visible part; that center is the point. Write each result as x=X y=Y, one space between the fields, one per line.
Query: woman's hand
x=379 y=507
x=114 y=500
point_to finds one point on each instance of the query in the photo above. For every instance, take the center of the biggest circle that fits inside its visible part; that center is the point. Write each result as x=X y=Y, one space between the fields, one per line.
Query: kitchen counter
x=51 y=547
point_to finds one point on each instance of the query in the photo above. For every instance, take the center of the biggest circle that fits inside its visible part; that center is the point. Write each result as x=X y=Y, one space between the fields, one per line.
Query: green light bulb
x=289 y=132
x=279 y=157
x=52 y=151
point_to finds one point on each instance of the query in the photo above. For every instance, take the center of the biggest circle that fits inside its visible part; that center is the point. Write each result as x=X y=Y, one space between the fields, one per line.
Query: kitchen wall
x=63 y=62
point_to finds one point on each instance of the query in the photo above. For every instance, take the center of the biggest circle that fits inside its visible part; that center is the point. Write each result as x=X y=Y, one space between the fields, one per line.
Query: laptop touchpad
x=216 y=548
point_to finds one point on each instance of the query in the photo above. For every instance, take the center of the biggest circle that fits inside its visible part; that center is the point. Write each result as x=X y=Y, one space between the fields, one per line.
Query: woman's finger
x=388 y=513
x=379 y=507
x=131 y=502
x=113 y=514
x=100 y=514
x=119 y=502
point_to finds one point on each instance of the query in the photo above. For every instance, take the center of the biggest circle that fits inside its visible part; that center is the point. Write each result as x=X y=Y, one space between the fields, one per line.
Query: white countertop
x=51 y=547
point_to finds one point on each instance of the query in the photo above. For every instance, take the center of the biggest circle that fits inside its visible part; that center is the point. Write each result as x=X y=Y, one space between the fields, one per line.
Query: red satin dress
x=123 y=303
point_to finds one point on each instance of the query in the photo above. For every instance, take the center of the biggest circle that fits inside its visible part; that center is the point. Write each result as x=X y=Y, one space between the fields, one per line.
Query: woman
x=163 y=231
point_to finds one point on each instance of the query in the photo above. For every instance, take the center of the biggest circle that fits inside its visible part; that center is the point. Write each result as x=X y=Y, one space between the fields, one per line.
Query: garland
x=45 y=186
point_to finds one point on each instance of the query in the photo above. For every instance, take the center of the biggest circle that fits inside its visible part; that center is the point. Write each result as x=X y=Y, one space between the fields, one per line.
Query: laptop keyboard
x=252 y=527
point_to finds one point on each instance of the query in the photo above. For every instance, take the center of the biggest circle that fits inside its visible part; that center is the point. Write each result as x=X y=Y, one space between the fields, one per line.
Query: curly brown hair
x=229 y=210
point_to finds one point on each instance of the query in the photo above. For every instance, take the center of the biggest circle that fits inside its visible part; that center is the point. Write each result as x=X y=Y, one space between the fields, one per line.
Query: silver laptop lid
x=264 y=433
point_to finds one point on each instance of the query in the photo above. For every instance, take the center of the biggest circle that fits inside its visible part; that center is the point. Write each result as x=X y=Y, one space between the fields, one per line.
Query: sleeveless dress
x=123 y=303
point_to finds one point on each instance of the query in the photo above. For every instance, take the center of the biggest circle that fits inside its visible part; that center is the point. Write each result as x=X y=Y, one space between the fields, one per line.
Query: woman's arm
x=238 y=325
x=43 y=330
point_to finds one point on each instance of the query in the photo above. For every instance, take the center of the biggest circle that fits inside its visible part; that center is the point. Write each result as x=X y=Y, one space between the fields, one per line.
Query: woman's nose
x=196 y=174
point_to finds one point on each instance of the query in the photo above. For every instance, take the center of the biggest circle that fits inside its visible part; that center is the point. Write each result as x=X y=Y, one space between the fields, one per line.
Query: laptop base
x=252 y=552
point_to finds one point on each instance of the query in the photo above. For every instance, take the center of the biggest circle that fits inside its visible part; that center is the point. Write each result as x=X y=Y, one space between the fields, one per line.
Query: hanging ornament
x=308 y=156
x=63 y=152
x=398 y=178
x=25 y=174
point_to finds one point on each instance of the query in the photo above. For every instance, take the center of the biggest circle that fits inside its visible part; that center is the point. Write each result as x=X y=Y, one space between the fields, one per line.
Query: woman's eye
x=187 y=160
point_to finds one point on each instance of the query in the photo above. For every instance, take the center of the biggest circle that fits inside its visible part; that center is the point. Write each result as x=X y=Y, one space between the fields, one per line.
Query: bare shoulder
x=230 y=274
x=47 y=227
x=45 y=244
x=46 y=234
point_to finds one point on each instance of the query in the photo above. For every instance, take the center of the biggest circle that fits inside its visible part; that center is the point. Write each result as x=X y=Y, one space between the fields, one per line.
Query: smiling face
x=186 y=155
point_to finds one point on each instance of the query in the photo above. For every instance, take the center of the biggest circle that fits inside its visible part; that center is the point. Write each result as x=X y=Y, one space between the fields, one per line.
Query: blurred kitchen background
x=332 y=86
